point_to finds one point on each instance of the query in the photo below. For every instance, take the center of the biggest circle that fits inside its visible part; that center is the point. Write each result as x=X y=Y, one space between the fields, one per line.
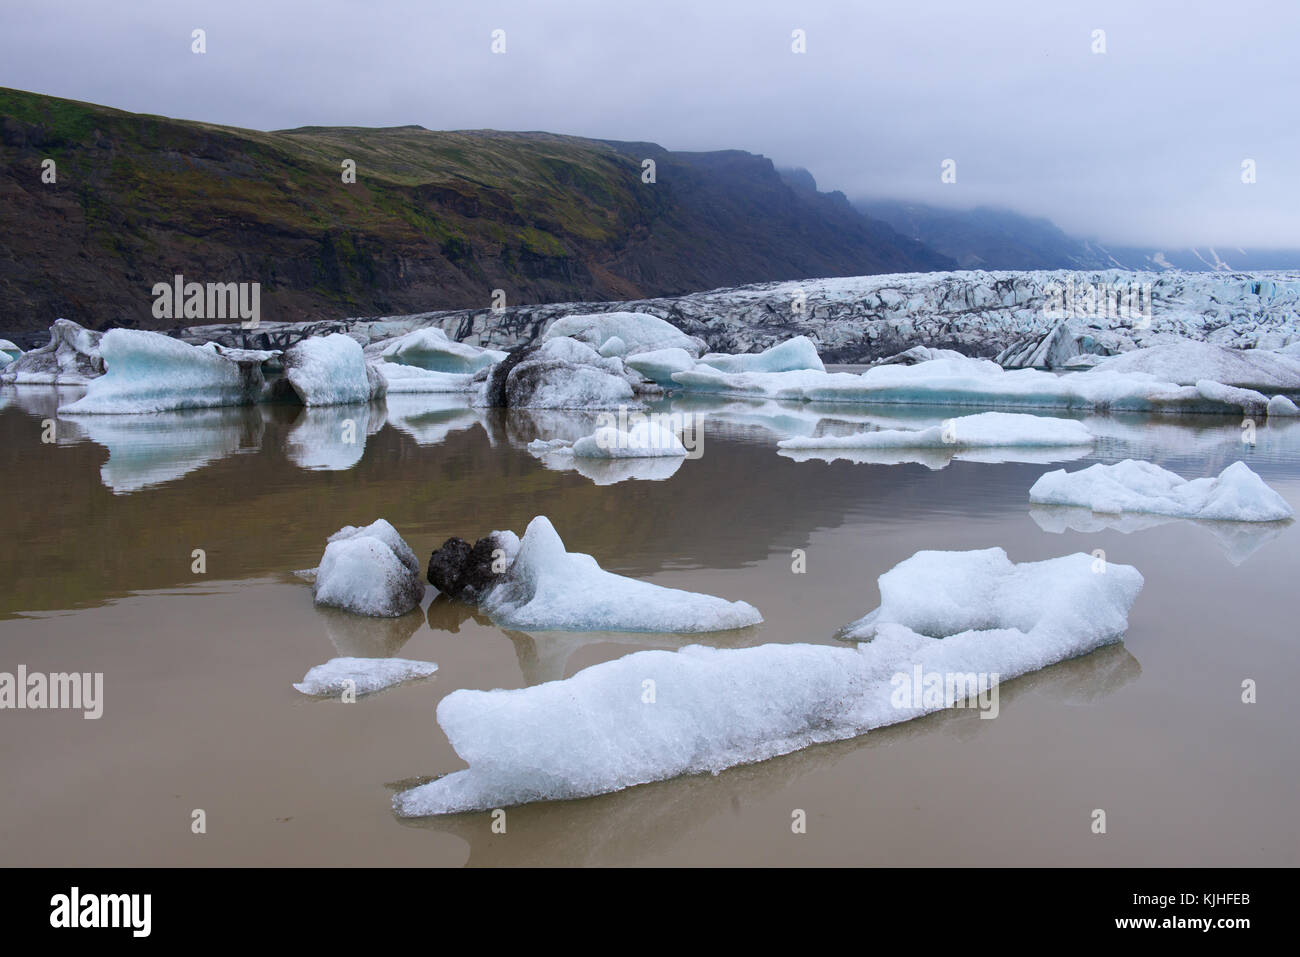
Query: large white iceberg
x=984 y=430
x=369 y=571
x=654 y=715
x=1237 y=494
x=639 y=332
x=331 y=370
x=547 y=588
x=659 y=365
x=404 y=378
x=150 y=372
x=361 y=675
x=431 y=349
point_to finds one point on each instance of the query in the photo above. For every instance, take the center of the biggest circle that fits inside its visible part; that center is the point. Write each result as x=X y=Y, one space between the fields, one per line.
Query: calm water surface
x=95 y=559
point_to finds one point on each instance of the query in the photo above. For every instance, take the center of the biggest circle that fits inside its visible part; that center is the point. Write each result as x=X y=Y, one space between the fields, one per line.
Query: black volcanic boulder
x=462 y=571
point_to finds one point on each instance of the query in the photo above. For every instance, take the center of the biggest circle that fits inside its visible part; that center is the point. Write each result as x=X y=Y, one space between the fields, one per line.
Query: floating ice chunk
x=331 y=370
x=559 y=373
x=71 y=357
x=403 y=378
x=557 y=455
x=613 y=346
x=986 y=430
x=640 y=332
x=149 y=372
x=792 y=355
x=954 y=614
x=8 y=352
x=1187 y=363
x=918 y=354
x=431 y=349
x=548 y=588
x=977 y=382
x=1237 y=495
x=658 y=366
x=1281 y=405
x=643 y=440
x=369 y=571
x=361 y=675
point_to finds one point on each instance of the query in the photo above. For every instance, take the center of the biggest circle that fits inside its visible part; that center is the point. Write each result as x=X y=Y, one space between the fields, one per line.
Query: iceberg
x=331 y=370
x=361 y=676
x=660 y=365
x=558 y=373
x=1236 y=495
x=793 y=355
x=980 y=383
x=549 y=589
x=369 y=571
x=985 y=430
x=432 y=350
x=1187 y=363
x=955 y=614
x=400 y=378
x=644 y=440
x=639 y=332
x=8 y=352
x=70 y=358
x=1280 y=405
x=149 y=372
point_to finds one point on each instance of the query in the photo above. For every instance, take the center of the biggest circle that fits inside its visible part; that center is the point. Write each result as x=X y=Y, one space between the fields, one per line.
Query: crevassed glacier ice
x=639 y=332
x=947 y=613
x=1236 y=495
x=984 y=430
x=432 y=350
x=369 y=571
x=361 y=675
x=547 y=588
x=149 y=372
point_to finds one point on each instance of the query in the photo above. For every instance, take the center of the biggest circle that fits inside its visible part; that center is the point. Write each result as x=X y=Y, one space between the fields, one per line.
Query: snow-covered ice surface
x=149 y=372
x=330 y=370
x=369 y=571
x=548 y=588
x=361 y=676
x=948 y=613
x=1236 y=495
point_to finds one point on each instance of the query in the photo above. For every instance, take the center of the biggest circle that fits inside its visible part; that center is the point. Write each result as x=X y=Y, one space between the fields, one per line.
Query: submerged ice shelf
x=963 y=613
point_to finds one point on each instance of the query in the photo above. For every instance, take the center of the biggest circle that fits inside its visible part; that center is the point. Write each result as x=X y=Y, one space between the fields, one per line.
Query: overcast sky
x=1143 y=143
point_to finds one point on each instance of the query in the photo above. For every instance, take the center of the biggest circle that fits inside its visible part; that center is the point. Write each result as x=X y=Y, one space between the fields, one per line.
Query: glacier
x=955 y=613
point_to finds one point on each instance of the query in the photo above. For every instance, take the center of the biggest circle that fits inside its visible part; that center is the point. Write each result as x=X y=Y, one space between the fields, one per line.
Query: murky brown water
x=95 y=560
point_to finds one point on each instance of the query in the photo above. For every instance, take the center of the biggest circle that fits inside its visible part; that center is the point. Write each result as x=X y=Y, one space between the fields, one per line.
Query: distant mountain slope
x=987 y=238
x=434 y=220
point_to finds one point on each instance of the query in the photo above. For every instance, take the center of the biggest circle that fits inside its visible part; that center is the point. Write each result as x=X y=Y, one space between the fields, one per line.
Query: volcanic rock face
x=465 y=572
